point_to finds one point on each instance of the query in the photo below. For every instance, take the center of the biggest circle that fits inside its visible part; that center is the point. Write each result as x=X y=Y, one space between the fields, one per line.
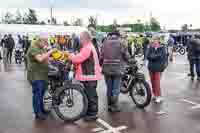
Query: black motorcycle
x=180 y=49
x=64 y=95
x=134 y=83
x=138 y=51
x=18 y=55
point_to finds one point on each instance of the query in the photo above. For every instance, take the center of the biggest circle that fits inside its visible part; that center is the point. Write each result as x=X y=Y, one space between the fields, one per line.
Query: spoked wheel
x=124 y=87
x=182 y=51
x=139 y=53
x=47 y=101
x=176 y=48
x=73 y=104
x=141 y=94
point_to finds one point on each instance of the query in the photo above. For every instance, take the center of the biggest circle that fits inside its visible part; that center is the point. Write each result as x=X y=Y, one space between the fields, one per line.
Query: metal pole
x=51 y=15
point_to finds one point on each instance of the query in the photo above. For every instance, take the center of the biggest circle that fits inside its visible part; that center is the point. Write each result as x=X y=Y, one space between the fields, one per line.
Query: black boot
x=92 y=110
x=40 y=116
x=192 y=77
x=109 y=102
x=114 y=104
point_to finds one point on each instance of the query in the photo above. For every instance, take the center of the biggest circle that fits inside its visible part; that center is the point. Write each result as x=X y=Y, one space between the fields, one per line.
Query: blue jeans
x=113 y=85
x=197 y=63
x=38 y=90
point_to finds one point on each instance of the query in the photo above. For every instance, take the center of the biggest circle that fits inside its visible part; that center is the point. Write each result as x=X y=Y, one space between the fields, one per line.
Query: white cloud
x=171 y=13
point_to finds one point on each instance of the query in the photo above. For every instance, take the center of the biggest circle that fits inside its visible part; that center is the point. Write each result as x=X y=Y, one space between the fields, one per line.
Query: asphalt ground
x=179 y=113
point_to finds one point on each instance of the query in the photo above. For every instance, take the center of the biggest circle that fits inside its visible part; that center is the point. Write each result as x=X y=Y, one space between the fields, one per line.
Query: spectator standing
x=156 y=56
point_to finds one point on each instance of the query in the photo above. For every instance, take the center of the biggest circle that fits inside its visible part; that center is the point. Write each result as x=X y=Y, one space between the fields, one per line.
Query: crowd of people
x=92 y=61
x=8 y=44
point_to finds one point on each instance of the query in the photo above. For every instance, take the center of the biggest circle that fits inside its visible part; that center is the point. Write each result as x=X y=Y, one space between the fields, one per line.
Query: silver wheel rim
x=76 y=109
x=138 y=98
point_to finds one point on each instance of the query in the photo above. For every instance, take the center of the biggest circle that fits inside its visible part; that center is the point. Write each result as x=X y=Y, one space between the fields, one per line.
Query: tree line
x=30 y=17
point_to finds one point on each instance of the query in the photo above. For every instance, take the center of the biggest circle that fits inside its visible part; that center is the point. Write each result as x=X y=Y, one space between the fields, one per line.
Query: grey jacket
x=112 y=56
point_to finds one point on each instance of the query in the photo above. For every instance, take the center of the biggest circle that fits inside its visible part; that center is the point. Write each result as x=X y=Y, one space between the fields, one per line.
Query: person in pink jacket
x=88 y=71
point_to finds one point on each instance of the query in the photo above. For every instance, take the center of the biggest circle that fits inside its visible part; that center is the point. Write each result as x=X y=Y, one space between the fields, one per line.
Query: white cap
x=44 y=35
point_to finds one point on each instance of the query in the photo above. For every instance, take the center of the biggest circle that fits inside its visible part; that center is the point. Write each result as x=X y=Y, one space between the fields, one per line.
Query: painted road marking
x=161 y=113
x=108 y=128
x=196 y=105
x=115 y=130
x=97 y=129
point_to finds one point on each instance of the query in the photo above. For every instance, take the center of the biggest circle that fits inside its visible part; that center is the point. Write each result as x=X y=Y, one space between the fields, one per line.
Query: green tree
x=18 y=17
x=92 y=22
x=114 y=25
x=154 y=24
x=138 y=27
x=42 y=23
x=31 y=17
x=54 y=21
x=77 y=22
x=184 y=27
x=8 y=18
x=66 y=23
x=147 y=27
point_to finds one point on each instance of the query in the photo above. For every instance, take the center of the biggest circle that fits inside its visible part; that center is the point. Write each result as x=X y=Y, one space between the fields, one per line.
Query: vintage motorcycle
x=180 y=49
x=134 y=83
x=64 y=95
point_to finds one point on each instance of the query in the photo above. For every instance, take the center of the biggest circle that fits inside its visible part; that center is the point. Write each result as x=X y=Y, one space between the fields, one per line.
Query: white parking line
x=188 y=101
x=161 y=113
x=115 y=130
x=196 y=105
x=97 y=129
x=109 y=128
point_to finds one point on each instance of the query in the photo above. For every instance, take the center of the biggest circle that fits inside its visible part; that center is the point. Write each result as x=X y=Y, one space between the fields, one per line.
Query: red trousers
x=155 y=81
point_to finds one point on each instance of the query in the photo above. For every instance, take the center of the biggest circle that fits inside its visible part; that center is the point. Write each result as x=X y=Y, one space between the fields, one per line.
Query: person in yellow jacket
x=140 y=41
x=52 y=40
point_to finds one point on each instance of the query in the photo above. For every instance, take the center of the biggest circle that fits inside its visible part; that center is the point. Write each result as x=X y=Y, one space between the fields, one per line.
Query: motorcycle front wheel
x=141 y=94
x=73 y=104
x=139 y=53
x=47 y=101
x=182 y=51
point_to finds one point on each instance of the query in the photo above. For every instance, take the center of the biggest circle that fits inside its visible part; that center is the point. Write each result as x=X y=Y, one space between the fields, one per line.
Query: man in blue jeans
x=37 y=74
x=194 y=54
x=112 y=53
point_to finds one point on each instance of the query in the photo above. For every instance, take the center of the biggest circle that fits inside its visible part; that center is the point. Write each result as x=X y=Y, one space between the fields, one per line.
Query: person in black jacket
x=157 y=58
x=10 y=45
x=76 y=43
x=194 y=56
x=3 y=45
x=191 y=57
x=145 y=46
x=94 y=42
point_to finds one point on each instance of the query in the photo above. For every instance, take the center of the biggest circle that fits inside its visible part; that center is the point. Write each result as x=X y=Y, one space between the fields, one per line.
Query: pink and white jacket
x=86 y=64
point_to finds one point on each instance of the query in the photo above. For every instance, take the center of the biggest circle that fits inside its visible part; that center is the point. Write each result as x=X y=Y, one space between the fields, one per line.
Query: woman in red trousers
x=157 y=57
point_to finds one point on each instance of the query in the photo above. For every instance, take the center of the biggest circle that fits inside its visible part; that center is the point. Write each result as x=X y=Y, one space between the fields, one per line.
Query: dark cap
x=114 y=33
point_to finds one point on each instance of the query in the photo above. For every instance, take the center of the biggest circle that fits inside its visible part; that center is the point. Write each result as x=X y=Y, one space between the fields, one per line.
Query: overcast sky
x=170 y=13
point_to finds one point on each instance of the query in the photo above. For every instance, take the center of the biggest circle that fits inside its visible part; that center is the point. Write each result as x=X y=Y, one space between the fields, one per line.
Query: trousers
x=113 y=85
x=194 y=63
x=91 y=93
x=155 y=82
x=38 y=90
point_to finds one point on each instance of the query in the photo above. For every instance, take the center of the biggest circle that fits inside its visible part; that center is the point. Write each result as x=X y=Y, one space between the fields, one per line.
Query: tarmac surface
x=179 y=113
